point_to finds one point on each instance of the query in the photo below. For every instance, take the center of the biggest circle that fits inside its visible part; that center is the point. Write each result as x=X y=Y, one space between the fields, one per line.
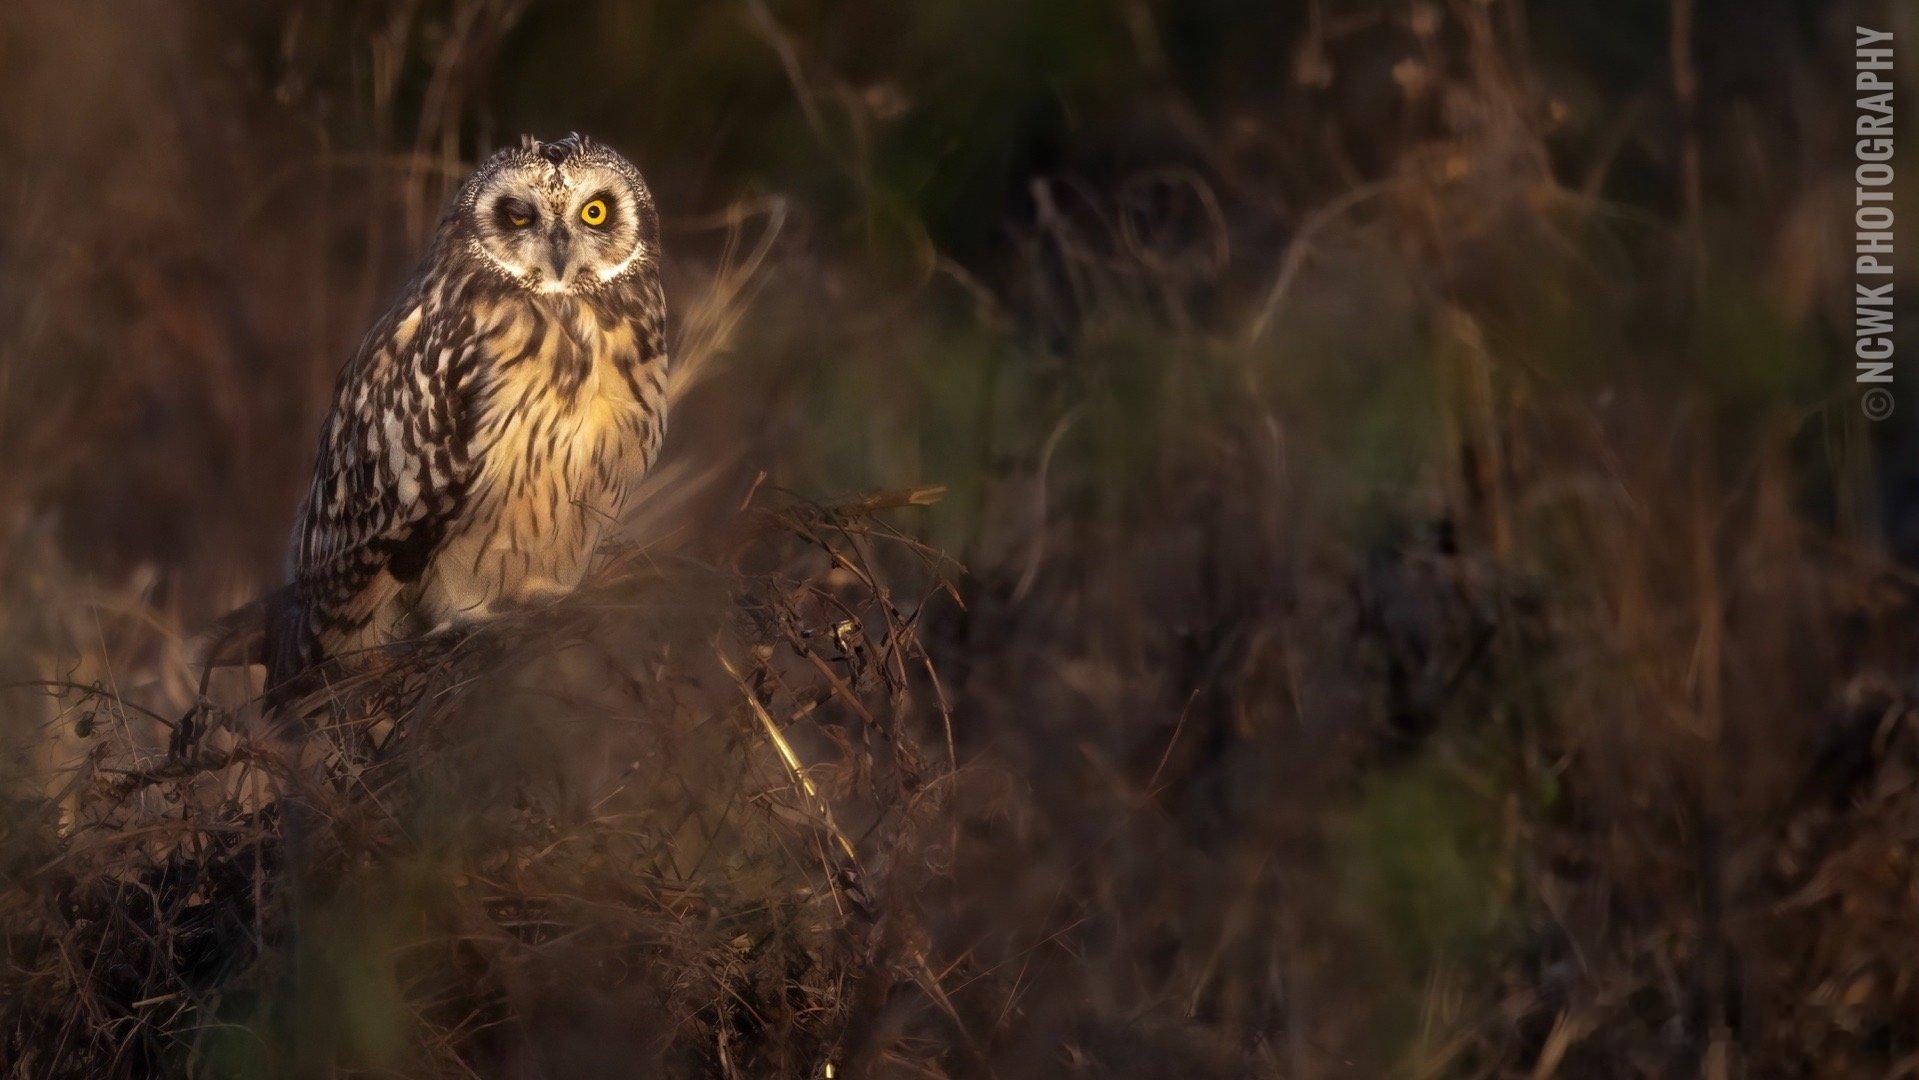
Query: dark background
x=1424 y=588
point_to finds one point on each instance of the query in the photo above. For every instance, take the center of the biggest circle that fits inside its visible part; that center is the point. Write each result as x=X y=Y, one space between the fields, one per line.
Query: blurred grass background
x=1425 y=601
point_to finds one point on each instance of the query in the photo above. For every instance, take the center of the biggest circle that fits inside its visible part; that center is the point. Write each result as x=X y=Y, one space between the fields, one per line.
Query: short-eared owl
x=488 y=428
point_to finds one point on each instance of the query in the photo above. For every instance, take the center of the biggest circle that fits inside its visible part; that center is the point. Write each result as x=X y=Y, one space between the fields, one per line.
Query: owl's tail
x=265 y=632
x=239 y=637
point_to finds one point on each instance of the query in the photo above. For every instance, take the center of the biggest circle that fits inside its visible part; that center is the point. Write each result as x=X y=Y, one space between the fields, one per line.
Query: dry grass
x=669 y=853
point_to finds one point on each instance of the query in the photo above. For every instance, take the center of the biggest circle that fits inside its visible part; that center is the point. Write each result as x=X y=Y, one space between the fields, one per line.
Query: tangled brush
x=676 y=807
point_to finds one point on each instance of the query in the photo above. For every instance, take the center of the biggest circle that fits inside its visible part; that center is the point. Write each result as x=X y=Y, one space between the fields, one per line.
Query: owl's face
x=562 y=217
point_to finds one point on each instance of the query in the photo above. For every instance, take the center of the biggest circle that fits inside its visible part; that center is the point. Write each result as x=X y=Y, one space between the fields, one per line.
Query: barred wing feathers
x=393 y=469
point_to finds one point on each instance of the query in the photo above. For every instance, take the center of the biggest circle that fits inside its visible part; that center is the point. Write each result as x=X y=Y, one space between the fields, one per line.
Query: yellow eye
x=594 y=213
x=519 y=220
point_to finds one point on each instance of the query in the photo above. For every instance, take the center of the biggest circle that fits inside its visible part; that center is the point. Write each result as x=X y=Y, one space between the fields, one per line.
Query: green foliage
x=1423 y=851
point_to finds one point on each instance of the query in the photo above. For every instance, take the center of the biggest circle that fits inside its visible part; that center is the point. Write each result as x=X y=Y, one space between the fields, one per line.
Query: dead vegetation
x=733 y=873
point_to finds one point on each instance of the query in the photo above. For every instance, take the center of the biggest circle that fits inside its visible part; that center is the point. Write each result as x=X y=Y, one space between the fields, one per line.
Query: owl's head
x=562 y=217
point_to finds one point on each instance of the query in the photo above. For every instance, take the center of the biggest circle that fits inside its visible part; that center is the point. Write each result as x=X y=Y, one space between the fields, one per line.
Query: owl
x=487 y=431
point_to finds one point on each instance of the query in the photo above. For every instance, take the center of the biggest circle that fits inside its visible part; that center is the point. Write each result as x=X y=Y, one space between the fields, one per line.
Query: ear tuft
x=559 y=150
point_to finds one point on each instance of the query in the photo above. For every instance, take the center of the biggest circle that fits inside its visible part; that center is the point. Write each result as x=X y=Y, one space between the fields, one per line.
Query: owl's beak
x=559 y=256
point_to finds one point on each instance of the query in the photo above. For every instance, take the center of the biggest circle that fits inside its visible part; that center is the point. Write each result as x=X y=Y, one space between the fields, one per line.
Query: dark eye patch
x=513 y=213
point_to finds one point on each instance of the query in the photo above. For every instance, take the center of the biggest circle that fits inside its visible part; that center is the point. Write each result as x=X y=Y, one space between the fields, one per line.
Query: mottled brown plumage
x=484 y=435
